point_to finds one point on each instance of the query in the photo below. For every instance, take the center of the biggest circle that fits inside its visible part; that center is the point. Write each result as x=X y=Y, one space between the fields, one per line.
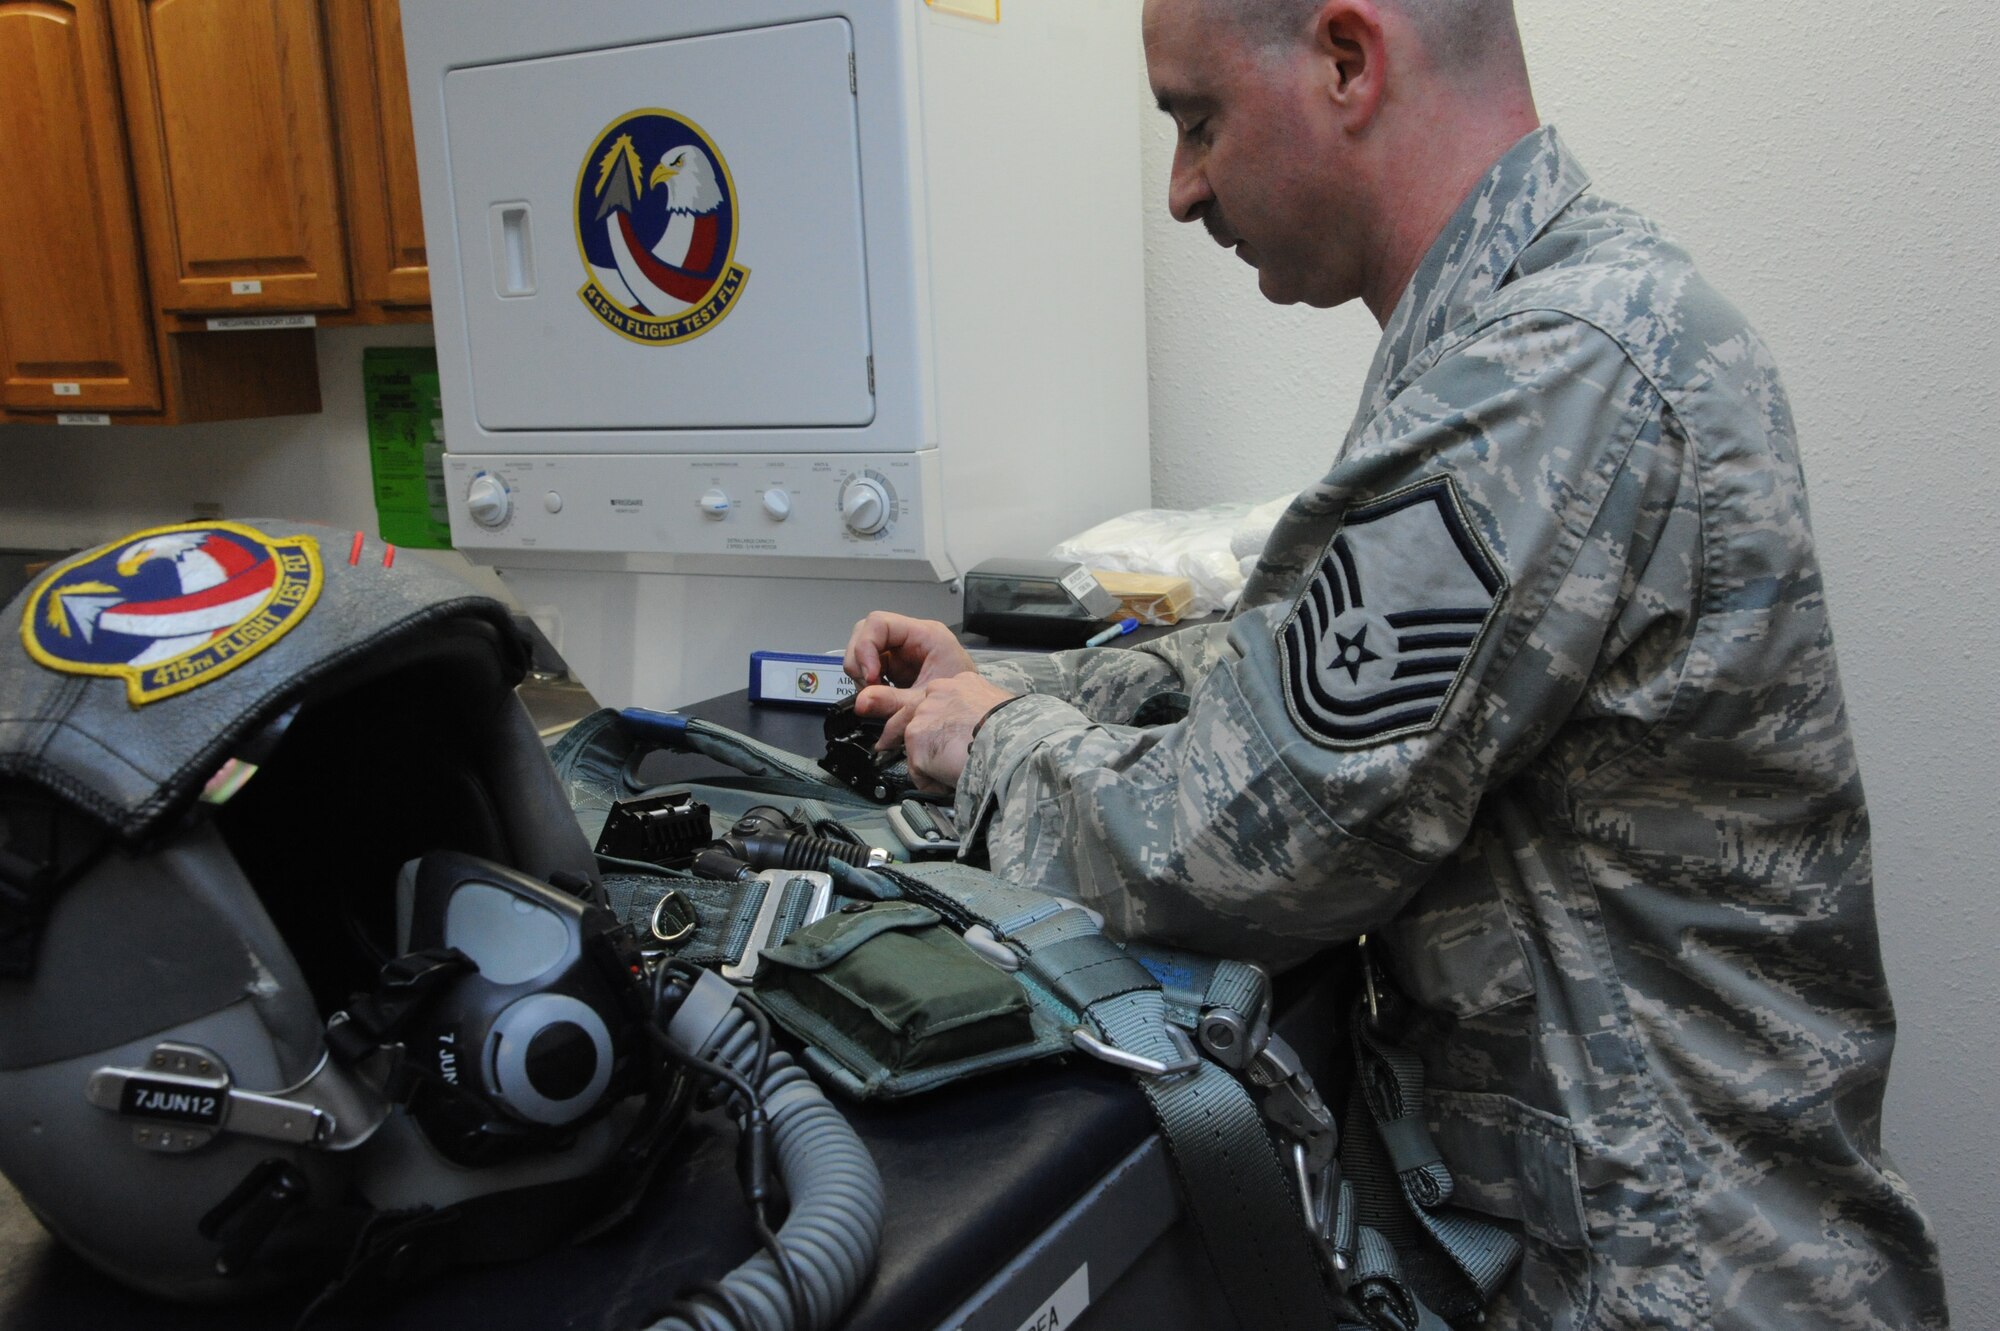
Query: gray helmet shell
x=384 y=725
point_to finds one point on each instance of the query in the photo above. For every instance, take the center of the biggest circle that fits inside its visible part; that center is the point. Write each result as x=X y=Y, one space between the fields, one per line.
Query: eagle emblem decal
x=1390 y=619
x=172 y=608
x=656 y=222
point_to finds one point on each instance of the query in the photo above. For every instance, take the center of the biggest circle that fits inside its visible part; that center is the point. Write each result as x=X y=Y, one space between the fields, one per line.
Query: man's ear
x=1352 y=50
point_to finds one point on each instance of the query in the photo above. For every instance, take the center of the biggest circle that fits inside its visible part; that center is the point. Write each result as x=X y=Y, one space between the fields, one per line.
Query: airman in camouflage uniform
x=1537 y=689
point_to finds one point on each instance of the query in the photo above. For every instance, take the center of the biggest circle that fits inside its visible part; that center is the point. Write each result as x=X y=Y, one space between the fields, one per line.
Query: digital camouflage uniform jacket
x=1537 y=688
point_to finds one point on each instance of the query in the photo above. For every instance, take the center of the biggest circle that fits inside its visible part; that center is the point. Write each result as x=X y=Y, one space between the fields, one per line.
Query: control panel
x=776 y=506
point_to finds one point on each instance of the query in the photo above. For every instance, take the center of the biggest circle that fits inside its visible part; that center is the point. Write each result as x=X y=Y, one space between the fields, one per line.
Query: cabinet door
x=232 y=148
x=378 y=153
x=74 y=329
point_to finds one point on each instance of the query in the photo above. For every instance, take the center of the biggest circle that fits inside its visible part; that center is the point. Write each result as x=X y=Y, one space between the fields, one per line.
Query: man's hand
x=895 y=649
x=933 y=722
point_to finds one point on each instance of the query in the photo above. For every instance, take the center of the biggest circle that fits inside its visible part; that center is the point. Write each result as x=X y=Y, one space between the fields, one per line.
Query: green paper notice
x=406 y=446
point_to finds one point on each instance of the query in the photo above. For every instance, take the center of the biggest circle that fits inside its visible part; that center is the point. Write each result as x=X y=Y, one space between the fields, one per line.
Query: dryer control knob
x=488 y=501
x=864 y=506
x=714 y=504
x=778 y=504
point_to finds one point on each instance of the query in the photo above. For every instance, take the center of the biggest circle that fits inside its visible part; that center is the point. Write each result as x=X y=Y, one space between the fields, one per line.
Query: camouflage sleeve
x=1455 y=583
x=1112 y=683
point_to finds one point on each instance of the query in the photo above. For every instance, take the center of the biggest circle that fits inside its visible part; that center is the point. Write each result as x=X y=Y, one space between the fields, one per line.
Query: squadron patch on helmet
x=1389 y=620
x=172 y=608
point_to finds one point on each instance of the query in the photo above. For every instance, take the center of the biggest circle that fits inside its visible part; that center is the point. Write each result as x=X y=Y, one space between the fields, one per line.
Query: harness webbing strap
x=687 y=734
x=1380 y=1292
x=1090 y=968
x=594 y=762
x=725 y=913
x=1238 y=987
x=1237 y=1193
x=1392 y=1086
x=1236 y=1190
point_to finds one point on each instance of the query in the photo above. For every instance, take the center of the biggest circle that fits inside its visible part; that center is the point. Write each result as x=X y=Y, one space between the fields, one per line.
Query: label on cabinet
x=82 y=418
x=67 y=389
x=239 y=323
x=253 y=287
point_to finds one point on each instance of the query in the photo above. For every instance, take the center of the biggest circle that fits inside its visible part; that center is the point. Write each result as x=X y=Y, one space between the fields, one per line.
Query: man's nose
x=1188 y=194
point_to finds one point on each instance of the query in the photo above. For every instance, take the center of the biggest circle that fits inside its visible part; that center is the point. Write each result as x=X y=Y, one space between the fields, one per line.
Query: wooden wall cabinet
x=378 y=159
x=75 y=332
x=163 y=162
x=231 y=125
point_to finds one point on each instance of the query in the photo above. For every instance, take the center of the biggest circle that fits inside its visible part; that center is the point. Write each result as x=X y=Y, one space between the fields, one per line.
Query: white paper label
x=82 y=418
x=1064 y=1306
x=67 y=390
x=805 y=681
x=1078 y=582
x=250 y=288
x=251 y=322
x=239 y=323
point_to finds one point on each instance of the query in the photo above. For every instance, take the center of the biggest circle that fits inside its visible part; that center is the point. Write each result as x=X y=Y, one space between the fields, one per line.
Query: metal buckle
x=684 y=915
x=1189 y=1060
x=1368 y=980
x=777 y=885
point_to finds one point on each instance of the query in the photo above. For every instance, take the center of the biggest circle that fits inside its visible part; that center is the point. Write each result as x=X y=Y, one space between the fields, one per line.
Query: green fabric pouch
x=890 y=1001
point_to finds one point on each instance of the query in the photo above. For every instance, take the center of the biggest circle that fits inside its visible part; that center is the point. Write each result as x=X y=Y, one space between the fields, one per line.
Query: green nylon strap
x=1089 y=969
x=596 y=758
x=592 y=761
x=1379 y=1292
x=725 y=913
x=1239 y=987
x=1238 y=1194
x=755 y=758
x=1410 y=1146
x=1391 y=1085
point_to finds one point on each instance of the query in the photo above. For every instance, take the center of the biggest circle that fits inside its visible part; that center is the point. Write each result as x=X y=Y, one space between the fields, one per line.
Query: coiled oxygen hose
x=832 y=1236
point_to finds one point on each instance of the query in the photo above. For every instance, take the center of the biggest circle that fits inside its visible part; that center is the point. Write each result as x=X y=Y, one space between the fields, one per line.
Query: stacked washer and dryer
x=755 y=315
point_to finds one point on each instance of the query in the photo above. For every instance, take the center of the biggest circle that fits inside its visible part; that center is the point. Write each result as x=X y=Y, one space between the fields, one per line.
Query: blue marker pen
x=1118 y=630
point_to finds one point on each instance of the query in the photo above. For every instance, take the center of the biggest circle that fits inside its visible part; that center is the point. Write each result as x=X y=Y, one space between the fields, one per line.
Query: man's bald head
x=1461 y=37
x=1328 y=142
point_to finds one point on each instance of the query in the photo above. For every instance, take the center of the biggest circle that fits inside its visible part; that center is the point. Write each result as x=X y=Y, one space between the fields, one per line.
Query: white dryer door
x=665 y=236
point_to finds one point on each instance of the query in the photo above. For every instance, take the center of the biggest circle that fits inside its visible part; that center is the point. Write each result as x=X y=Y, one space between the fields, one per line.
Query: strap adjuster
x=1188 y=1060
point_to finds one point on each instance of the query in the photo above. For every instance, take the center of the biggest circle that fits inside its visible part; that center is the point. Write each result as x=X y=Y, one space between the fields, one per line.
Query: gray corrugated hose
x=834 y=1230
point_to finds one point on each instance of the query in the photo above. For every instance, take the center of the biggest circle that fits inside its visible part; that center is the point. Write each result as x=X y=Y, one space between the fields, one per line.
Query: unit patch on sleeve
x=1389 y=619
x=173 y=608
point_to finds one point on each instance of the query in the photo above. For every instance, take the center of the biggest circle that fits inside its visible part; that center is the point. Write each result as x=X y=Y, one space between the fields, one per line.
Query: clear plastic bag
x=1213 y=548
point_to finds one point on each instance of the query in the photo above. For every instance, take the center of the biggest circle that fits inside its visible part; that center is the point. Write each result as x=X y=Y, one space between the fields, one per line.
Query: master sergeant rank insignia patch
x=173 y=608
x=1389 y=620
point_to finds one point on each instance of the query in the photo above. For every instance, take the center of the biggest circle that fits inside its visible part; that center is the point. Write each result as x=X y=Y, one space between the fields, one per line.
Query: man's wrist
x=980 y=724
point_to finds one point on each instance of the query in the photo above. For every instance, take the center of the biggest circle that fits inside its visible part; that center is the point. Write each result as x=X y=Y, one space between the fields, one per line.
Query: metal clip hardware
x=184 y=1096
x=1295 y=1106
x=1232 y=1038
x=981 y=940
x=793 y=898
x=1368 y=979
x=673 y=918
x=1188 y=1061
x=1328 y=1201
x=1293 y=1102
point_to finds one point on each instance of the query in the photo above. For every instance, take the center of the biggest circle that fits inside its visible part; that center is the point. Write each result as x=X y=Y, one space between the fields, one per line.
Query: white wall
x=1836 y=169
x=70 y=486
